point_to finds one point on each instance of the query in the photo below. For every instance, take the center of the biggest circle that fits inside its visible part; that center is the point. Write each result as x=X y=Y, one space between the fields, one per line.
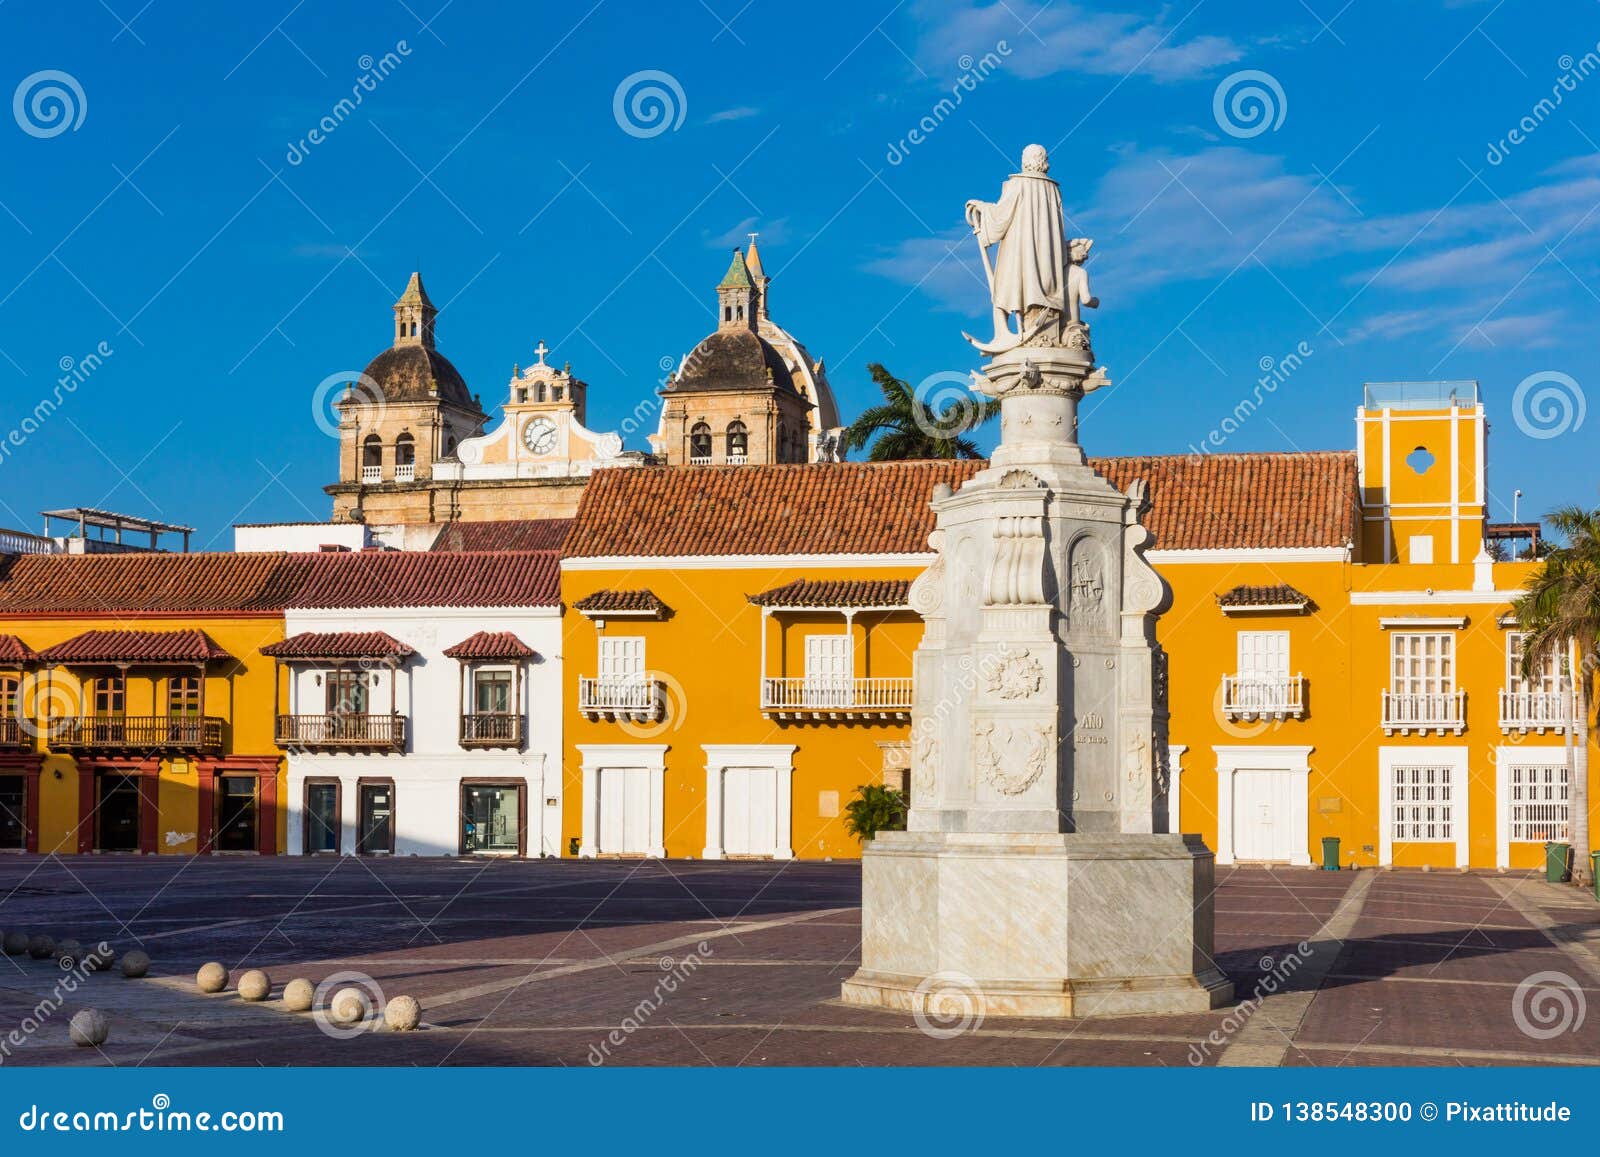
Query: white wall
x=299 y=536
x=427 y=688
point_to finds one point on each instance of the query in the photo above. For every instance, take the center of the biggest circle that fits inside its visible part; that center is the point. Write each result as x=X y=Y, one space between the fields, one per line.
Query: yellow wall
x=240 y=692
x=708 y=652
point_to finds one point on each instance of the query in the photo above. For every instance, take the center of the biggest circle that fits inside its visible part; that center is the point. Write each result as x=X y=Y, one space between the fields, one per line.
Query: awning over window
x=154 y=647
x=843 y=594
x=641 y=602
x=1278 y=597
x=490 y=645
x=15 y=652
x=338 y=646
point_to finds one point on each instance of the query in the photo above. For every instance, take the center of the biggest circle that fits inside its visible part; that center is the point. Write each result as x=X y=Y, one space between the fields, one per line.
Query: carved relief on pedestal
x=1012 y=756
x=1013 y=674
x=1016 y=575
x=1136 y=763
x=924 y=760
x=926 y=596
x=1086 y=591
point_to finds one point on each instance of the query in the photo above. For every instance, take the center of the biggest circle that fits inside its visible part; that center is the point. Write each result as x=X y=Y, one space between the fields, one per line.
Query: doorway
x=117 y=813
x=13 y=813
x=375 y=818
x=492 y=818
x=624 y=811
x=1264 y=816
x=237 y=812
x=322 y=818
x=749 y=811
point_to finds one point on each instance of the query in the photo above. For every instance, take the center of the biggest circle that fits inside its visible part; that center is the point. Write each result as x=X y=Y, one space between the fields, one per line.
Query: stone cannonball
x=88 y=1027
x=100 y=958
x=41 y=947
x=212 y=977
x=402 y=1014
x=69 y=951
x=255 y=985
x=298 y=995
x=14 y=943
x=349 y=1006
x=135 y=964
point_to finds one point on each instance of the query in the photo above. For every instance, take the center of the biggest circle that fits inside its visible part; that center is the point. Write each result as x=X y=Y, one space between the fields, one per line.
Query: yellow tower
x=1420 y=448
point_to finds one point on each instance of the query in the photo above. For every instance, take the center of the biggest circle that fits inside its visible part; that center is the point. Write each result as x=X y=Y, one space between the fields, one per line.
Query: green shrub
x=875 y=809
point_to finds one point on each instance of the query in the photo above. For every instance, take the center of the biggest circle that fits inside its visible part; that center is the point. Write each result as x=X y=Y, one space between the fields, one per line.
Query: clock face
x=539 y=436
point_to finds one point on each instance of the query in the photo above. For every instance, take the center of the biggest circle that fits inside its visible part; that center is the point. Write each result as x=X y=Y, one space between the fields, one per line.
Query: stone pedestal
x=1037 y=874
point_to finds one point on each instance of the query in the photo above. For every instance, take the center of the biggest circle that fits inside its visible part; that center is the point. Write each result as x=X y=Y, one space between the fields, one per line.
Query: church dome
x=418 y=373
x=733 y=359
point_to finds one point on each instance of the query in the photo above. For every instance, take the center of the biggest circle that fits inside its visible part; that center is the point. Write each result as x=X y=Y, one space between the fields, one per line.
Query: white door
x=830 y=670
x=1262 y=814
x=1263 y=668
x=624 y=811
x=749 y=811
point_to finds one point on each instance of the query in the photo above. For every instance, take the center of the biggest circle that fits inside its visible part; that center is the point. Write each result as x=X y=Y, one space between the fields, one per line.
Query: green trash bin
x=1594 y=872
x=1555 y=862
x=1330 y=853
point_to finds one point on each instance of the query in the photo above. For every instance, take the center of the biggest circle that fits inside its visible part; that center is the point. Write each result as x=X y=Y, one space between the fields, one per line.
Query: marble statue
x=1037 y=864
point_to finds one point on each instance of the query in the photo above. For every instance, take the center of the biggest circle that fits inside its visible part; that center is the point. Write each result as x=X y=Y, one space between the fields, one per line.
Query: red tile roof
x=1198 y=502
x=310 y=645
x=109 y=584
x=14 y=650
x=134 y=647
x=1276 y=595
x=1233 y=501
x=490 y=645
x=836 y=593
x=508 y=534
x=819 y=508
x=429 y=579
x=621 y=602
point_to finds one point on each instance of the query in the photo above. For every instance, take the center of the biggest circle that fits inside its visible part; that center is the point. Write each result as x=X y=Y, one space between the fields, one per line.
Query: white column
x=1175 y=788
x=713 y=848
x=1502 y=808
x=783 y=845
x=1385 y=807
x=589 y=844
x=658 y=798
x=1224 y=812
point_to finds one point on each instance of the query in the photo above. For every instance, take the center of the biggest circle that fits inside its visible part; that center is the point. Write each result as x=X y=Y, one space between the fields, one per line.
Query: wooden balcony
x=814 y=697
x=134 y=733
x=491 y=729
x=13 y=735
x=342 y=732
x=637 y=698
x=1443 y=712
x=1537 y=711
x=1254 y=697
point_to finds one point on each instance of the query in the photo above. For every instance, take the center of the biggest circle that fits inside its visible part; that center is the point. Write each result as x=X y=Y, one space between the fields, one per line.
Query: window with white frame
x=1537 y=796
x=1422 y=663
x=621 y=658
x=1263 y=662
x=1548 y=673
x=1424 y=804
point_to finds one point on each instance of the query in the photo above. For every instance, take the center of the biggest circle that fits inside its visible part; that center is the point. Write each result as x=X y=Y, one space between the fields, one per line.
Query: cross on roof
x=541 y=349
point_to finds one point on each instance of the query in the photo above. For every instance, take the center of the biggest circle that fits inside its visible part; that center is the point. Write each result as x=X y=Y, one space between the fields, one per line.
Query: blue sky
x=1380 y=214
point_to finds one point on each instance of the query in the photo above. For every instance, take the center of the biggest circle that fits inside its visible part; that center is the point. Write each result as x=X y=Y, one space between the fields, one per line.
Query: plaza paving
x=537 y=963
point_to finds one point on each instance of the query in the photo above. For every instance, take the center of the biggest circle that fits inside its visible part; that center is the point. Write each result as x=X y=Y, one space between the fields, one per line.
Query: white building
x=420 y=704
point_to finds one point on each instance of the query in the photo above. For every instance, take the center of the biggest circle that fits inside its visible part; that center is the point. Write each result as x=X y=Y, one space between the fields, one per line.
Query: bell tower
x=413 y=315
x=737 y=297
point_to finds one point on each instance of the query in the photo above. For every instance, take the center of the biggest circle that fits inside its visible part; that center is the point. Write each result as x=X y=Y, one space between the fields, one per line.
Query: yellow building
x=1340 y=658
x=739 y=652
x=135 y=708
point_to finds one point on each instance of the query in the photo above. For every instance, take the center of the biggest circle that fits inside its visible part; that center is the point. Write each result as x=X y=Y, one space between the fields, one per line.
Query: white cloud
x=743 y=112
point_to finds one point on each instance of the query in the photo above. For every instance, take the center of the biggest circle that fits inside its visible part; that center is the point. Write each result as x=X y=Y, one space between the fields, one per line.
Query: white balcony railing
x=1252 y=697
x=738 y=459
x=699 y=459
x=370 y=474
x=637 y=697
x=1538 y=711
x=831 y=696
x=405 y=472
x=1441 y=712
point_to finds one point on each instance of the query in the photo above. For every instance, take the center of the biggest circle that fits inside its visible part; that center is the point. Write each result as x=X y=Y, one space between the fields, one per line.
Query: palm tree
x=908 y=425
x=1558 y=613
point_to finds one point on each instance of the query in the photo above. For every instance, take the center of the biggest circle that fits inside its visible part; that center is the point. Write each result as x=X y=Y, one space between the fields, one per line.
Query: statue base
x=1037 y=925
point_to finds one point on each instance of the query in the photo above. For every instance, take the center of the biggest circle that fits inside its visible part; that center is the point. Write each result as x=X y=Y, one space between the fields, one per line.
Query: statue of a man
x=1029 y=270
